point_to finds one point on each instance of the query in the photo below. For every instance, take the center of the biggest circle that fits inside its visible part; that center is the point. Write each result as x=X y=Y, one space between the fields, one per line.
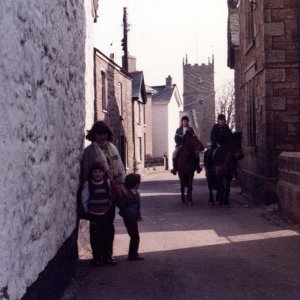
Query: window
x=103 y=91
x=144 y=114
x=139 y=112
x=250 y=6
x=141 y=148
x=251 y=114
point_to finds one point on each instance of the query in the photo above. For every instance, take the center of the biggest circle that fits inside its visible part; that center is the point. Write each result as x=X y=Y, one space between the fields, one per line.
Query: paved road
x=197 y=252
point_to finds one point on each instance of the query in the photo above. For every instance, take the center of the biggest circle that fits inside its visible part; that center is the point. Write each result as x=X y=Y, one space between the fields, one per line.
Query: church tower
x=199 y=97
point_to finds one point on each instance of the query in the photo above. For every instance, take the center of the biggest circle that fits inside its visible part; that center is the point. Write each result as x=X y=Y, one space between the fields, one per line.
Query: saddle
x=219 y=155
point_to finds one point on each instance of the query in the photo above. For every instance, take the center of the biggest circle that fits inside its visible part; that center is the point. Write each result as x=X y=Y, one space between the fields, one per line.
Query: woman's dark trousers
x=133 y=231
x=102 y=233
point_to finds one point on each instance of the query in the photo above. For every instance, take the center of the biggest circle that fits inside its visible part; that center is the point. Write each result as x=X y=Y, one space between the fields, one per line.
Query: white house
x=166 y=105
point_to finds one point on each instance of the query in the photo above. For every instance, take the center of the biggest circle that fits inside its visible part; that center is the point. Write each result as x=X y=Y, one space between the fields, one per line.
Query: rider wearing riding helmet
x=180 y=132
x=220 y=134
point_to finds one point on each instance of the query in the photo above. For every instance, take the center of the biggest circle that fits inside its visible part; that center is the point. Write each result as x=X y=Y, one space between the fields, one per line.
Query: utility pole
x=124 y=41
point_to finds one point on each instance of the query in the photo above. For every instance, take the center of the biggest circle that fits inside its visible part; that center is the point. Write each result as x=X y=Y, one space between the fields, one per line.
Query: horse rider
x=220 y=134
x=180 y=132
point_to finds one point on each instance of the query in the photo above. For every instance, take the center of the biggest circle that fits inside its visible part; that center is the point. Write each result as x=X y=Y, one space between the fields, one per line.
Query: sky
x=163 y=32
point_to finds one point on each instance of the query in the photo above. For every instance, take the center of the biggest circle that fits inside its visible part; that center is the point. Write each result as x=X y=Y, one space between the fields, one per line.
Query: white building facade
x=166 y=106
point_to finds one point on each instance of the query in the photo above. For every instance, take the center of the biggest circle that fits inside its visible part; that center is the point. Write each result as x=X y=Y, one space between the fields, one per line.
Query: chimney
x=112 y=56
x=169 y=81
x=131 y=63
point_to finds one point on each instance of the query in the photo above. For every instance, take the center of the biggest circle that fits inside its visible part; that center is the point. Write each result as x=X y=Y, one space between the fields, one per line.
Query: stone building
x=199 y=96
x=166 y=105
x=46 y=100
x=139 y=126
x=113 y=104
x=268 y=87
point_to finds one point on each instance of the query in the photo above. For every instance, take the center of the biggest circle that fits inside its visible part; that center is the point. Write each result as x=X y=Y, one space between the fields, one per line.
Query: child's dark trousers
x=133 y=232
x=102 y=234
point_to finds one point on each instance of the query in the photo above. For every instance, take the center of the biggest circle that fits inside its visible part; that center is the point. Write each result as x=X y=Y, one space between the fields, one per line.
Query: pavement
x=233 y=252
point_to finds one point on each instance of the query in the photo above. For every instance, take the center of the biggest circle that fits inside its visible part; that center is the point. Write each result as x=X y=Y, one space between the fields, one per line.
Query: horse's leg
x=182 y=191
x=217 y=187
x=227 y=190
x=210 y=188
x=220 y=191
x=211 y=197
x=190 y=190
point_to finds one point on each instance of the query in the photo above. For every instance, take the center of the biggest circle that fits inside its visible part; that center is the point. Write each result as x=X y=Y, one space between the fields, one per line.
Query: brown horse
x=186 y=159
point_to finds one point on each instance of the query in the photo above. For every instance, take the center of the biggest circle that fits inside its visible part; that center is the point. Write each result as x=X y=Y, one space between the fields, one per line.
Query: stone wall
x=42 y=120
x=288 y=186
x=118 y=111
x=269 y=73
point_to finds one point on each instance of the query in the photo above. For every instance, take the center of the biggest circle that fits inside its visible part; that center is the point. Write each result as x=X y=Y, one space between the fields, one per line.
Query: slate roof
x=138 y=86
x=163 y=92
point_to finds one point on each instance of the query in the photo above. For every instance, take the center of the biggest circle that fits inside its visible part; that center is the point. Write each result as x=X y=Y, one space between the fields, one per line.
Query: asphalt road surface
x=197 y=252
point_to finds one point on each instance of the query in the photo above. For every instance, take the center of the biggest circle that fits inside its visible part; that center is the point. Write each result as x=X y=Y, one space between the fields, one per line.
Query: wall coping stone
x=290 y=154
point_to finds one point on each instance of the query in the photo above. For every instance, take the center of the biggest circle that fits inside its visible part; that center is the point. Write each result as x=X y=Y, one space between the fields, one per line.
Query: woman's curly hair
x=99 y=127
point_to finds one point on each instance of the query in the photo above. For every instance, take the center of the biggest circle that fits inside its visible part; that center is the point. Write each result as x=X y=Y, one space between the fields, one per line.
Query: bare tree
x=226 y=103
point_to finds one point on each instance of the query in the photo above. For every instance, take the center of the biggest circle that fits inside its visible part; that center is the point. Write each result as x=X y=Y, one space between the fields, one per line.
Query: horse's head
x=191 y=142
x=236 y=145
x=229 y=153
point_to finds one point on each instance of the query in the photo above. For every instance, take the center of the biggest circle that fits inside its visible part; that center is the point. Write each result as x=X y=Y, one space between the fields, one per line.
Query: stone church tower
x=199 y=97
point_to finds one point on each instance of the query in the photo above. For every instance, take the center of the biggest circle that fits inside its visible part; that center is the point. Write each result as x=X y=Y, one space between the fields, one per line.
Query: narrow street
x=197 y=252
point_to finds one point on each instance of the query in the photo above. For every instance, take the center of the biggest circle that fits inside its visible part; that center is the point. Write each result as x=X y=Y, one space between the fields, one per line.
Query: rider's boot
x=199 y=169
x=174 y=170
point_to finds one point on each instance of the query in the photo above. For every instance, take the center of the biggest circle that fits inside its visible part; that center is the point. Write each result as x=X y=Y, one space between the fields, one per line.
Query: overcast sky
x=162 y=32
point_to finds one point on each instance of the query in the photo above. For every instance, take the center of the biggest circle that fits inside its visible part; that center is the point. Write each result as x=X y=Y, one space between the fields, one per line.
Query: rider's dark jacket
x=220 y=135
x=179 y=135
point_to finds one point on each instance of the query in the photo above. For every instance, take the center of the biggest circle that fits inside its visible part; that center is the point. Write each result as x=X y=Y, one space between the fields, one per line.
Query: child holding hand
x=130 y=210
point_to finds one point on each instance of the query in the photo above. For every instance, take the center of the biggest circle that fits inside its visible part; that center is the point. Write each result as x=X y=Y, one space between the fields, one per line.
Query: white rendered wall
x=159 y=129
x=173 y=124
x=43 y=86
x=89 y=68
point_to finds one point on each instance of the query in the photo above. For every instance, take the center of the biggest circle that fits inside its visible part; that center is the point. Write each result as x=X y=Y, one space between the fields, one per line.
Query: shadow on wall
x=113 y=104
x=114 y=116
